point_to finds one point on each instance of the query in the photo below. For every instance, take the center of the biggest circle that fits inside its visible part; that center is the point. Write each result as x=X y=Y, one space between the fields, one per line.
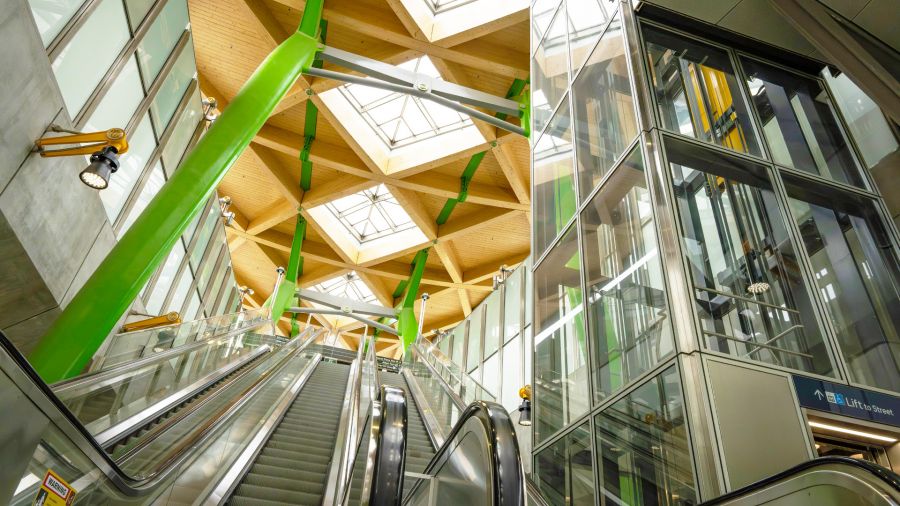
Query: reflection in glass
x=697 y=91
x=603 y=108
x=856 y=273
x=866 y=123
x=748 y=289
x=560 y=346
x=630 y=331
x=549 y=72
x=473 y=351
x=554 y=184
x=586 y=21
x=564 y=471
x=157 y=44
x=173 y=88
x=541 y=15
x=799 y=123
x=643 y=445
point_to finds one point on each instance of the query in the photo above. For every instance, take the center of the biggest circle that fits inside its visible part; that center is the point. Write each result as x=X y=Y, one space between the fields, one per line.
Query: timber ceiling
x=490 y=229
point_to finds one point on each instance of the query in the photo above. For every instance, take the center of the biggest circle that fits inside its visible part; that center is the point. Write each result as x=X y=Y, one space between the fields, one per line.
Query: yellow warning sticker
x=54 y=491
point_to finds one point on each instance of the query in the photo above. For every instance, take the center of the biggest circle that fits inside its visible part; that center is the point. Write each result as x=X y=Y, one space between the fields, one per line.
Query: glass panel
x=565 y=473
x=156 y=46
x=52 y=16
x=867 y=124
x=181 y=291
x=549 y=72
x=131 y=166
x=192 y=226
x=697 y=92
x=491 y=323
x=206 y=269
x=541 y=15
x=212 y=217
x=512 y=304
x=182 y=134
x=798 y=122
x=120 y=101
x=587 y=18
x=216 y=287
x=643 y=445
x=512 y=375
x=554 y=184
x=191 y=312
x=630 y=332
x=491 y=378
x=605 y=122
x=473 y=353
x=166 y=277
x=98 y=41
x=856 y=273
x=561 y=374
x=748 y=289
x=172 y=90
x=459 y=343
x=151 y=188
x=529 y=293
x=137 y=11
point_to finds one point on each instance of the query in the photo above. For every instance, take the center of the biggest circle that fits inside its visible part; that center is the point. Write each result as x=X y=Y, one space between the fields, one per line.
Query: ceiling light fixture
x=853 y=432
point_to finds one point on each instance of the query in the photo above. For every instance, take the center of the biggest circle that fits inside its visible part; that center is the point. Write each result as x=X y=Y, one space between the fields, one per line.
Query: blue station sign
x=846 y=400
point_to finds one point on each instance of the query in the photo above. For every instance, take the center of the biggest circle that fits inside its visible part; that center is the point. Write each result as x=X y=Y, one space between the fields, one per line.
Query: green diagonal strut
x=92 y=314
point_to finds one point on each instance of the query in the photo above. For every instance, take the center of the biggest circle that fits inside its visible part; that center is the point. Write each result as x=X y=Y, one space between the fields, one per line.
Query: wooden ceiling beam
x=382 y=292
x=451 y=263
x=410 y=203
x=271 y=216
x=496 y=61
x=282 y=179
x=488 y=270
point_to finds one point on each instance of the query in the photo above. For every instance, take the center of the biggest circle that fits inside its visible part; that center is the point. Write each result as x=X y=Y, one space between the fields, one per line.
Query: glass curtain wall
x=750 y=181
x=142 y=78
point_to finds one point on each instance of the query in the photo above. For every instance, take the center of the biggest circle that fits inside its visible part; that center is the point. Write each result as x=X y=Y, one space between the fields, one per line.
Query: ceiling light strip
x=853 y=432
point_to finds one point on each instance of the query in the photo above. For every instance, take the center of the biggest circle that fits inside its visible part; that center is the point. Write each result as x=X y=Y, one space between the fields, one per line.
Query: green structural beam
x=407 y=326
x=94 y=311
x=309 y=124
x=288 y=286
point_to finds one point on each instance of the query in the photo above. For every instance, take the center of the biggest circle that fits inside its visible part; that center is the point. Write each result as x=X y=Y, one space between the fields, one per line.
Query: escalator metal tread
x=293 y=465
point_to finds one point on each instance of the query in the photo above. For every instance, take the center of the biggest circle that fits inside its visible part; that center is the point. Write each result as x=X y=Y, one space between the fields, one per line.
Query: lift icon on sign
x=830 y=397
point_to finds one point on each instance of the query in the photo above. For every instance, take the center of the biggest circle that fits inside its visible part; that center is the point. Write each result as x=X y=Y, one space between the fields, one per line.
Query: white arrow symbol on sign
x=819 y=395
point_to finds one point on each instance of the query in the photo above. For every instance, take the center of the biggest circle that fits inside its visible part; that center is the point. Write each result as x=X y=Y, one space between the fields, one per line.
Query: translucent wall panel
x=193 y=309
x=799 y=123
x=151 y=188
x=52 y=15
x=643 y=444
x=549 y=72
x=137 y=11
x=184 y=130
x=217 y=282
x=181 y=291
x=512 y=304
x=156 y=46
x=206 y=270
x=603 y=108
x=491 y=378
x=209 y=225
x=541 y=15
x=444 y=344
x=192 y=226
x=131 y=166
x=748 y=290
x=627 y=312
x=867 y=124
x=459 y=343
x=227 y=295
x=564 y=472
x=560 y=344
x=554 y=180
x=120 y=101
x=473 y=352
x=697 y=92
x=172 y=91
x=166 y=277
x=491 y=323
x=856 y=273
x=586 y=20
x=512 y=374
x=99 y=42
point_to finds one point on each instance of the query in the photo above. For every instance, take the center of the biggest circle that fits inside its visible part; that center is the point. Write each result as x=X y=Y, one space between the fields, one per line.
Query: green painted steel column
x=406 y=323
x=94 y=311
x=288 y=287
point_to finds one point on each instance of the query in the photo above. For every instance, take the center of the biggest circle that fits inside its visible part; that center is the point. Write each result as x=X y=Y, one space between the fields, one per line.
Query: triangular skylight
x=347 y=286
x=368 y=224
x=398 y=131
x=441 y=19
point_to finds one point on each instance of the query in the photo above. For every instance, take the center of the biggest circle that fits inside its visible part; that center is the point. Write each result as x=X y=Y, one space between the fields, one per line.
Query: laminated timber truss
x=470 y=200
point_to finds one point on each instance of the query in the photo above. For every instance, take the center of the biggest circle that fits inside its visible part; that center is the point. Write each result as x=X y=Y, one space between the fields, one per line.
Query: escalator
x=419 y=445
x=292 y=467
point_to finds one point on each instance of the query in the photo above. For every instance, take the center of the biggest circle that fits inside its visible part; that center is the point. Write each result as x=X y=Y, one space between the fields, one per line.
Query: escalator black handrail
x=384 y=481
x=885 y=475
x=123 y=482
x=507 y=477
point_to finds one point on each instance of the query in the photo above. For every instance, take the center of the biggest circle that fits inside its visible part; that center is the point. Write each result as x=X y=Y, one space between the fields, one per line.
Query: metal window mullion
x=219 y=270
x=155 y=157
x=119 y=63
x=154 y=88
x=223 y=290
x=151 y=285
x=207 y=253
x=189 y=251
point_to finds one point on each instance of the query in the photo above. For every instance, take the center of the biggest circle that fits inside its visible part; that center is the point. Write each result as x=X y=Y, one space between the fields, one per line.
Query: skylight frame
x=441 y=6
x=349 y=286
x=377 y=199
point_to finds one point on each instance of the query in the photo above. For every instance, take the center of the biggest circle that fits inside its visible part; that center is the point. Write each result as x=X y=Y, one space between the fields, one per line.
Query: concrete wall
x=53 y=229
